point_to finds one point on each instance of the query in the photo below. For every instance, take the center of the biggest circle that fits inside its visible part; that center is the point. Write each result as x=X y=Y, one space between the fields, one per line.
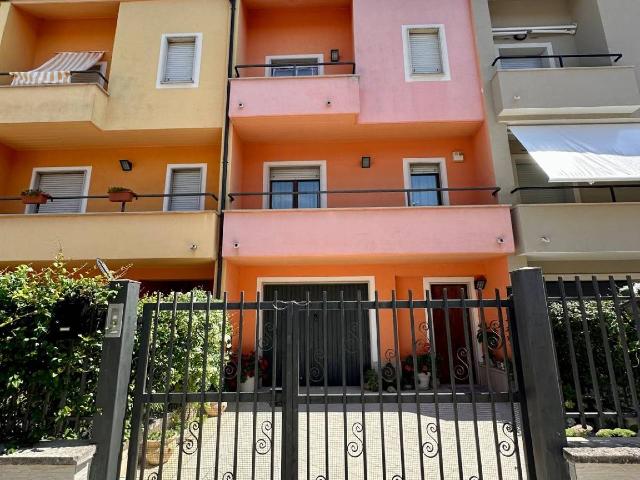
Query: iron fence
x=616 y=57
x=597 y=339
x=433 y=391
x=293 y=69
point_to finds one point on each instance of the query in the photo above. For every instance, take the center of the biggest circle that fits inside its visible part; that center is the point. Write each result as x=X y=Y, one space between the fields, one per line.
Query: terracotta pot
x=153 y=450
x=38 y=199
x=423 y=380
x=212 y=408
x=119 y=197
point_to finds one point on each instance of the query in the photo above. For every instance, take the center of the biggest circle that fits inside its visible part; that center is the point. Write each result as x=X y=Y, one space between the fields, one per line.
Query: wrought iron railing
x=603 y=186
x=615 y=56
x=123 y=204
x=295 y=66
x=100 y=79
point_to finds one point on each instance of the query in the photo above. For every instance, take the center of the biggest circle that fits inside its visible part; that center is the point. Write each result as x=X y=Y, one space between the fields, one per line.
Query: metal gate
x=398 y=423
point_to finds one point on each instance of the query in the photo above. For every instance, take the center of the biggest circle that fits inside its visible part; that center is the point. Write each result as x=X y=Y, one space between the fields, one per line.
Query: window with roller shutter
x=425 y=53
x=61 y=184
x=184 y=181
x=179 y=60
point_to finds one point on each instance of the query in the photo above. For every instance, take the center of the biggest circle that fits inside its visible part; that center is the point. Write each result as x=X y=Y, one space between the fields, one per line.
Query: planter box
x=39 y=199
x=120 y=197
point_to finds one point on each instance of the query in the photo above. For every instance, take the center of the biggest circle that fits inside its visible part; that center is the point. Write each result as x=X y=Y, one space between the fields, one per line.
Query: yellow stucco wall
x=16 y=29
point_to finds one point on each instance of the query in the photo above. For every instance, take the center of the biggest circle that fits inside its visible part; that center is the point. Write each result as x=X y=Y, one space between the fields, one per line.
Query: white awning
x=57 y=69
x=584 y=153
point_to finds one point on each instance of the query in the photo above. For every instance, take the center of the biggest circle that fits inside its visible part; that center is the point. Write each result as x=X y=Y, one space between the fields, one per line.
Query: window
x=425 y=53
x=425 y=174
x=530 y=174
x=525 y=50
x=295 y=179
x=179 y=64
x=303 y=66
x=183 y=180
x=61 y=182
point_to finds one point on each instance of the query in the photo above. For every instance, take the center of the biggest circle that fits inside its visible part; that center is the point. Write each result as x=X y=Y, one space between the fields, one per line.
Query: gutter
x=222 y=204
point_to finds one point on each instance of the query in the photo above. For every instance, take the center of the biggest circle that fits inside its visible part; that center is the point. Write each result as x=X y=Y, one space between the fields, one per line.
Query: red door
x=456 y=328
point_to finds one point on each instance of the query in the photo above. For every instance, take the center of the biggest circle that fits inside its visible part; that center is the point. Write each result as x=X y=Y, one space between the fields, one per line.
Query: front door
x=459 y=359
x=329 y=341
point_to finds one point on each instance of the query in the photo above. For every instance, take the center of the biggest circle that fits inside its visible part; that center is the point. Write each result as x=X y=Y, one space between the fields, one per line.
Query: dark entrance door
x=340 y=336
x=456 y=328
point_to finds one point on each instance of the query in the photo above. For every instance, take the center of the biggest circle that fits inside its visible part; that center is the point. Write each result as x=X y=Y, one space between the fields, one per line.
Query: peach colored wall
x=400 y=277
x=344 y=170
x=386 y=96
x=147 y=176
x=296 y=31
x=74 y=35
x=6 y=154
x=18 y=29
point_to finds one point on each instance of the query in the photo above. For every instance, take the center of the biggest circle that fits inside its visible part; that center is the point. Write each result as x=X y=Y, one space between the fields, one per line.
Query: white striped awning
x=57 y=69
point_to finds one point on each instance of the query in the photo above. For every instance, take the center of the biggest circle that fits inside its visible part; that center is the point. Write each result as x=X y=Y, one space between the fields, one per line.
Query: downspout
x=225 y=152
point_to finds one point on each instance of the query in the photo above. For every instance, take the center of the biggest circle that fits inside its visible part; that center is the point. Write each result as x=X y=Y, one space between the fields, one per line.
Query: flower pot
x=248 y=385
x=120 y=197
x=153 y=450
x=423 y=380
x=38 y=199
x=212 y=408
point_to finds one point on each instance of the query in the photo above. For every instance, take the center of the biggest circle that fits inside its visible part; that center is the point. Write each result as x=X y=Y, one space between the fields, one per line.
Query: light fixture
x=126 y=165
x=335 y=55
x=480 y=282
x=520 y=36
x=365 y=162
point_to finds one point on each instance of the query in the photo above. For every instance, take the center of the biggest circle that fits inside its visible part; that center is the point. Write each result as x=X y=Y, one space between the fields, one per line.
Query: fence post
x=537 y=366
x=113 y=380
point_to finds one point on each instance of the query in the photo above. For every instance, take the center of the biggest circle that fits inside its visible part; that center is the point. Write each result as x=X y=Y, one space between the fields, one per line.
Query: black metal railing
x=314 y=382
x=99 y=77
x=596 y=326
x=136 y=196
x=295 y=66
x=604 y=186
x=319 y=194
x=615 y=56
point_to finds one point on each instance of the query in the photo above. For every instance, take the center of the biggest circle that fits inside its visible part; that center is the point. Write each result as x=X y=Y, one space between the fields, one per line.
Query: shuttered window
x=425 y=51
x=295 y=173
x=284 y=180
x=425 y=176
x=185 y=180
x=531 y=175
x=180 y=60
x=522 y=63
x=61 y=184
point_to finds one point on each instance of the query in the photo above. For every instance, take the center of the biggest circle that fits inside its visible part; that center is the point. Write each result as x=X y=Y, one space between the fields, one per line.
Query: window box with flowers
x=34 y=197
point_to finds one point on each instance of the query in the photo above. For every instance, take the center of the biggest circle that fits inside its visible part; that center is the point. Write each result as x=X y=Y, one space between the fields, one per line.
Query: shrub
x=616 y=432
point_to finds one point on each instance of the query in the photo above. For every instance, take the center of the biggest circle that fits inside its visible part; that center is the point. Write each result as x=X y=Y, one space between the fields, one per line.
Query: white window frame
x=548 y=46
x=441 y=162
x=182 y=166
x=162 y=59
x=268 y=58
x=85 y=187
x=409 y=76
x=370 y=280
x=266 y=177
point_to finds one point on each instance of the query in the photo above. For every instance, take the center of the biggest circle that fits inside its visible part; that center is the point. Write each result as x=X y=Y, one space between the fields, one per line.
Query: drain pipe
x=222 y=204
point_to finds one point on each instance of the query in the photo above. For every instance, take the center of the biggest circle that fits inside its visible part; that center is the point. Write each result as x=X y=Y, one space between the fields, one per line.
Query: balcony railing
x=604 y=186
x=615 y=56
x=295 y=66
x=320 y=194
x=123 y=205
x=98 y=77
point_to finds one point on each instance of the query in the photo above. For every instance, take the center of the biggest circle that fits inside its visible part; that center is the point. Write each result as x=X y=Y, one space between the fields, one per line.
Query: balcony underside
x=357 y=235
x=138 y=238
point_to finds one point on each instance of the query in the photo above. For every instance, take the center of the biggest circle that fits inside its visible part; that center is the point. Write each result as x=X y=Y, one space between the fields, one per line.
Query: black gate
x=206 y=408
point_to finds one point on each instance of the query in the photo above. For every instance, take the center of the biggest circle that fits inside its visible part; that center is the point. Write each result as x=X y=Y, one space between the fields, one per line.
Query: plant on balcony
x=120 y=194
x=34 y=197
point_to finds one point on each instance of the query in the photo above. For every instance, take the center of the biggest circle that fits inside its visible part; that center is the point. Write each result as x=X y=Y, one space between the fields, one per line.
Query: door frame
x=427 y=282
x=369 y=280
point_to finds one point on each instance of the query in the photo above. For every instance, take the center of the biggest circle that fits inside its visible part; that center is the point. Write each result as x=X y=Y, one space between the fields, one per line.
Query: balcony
x=138 y=237
x=579 y=92
x=373 y=234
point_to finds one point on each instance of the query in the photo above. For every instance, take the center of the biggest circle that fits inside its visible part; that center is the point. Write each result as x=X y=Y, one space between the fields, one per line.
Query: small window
x=295 y=66
x=289 y=185
x=184 y=181
x=425 y=53
x=179 y=60
x=61 y=184
x=425 y=176
x=534 y=52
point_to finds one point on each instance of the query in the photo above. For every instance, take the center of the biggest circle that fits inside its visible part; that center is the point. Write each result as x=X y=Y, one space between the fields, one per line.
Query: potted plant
x=34 y=197
x=423 y=374
x=120 y=194
x=247 y=372
x=211 y=408
x=371 y=380
x=154 y=442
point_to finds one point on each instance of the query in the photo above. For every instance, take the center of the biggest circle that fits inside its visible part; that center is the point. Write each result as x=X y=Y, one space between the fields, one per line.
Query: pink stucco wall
x=373 y=233
x=385 y=95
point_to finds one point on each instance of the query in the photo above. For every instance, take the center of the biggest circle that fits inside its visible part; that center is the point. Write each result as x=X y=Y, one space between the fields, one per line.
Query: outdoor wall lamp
x=480 y=282
x=335 y=55
x=126 y=165
x=365 y=162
